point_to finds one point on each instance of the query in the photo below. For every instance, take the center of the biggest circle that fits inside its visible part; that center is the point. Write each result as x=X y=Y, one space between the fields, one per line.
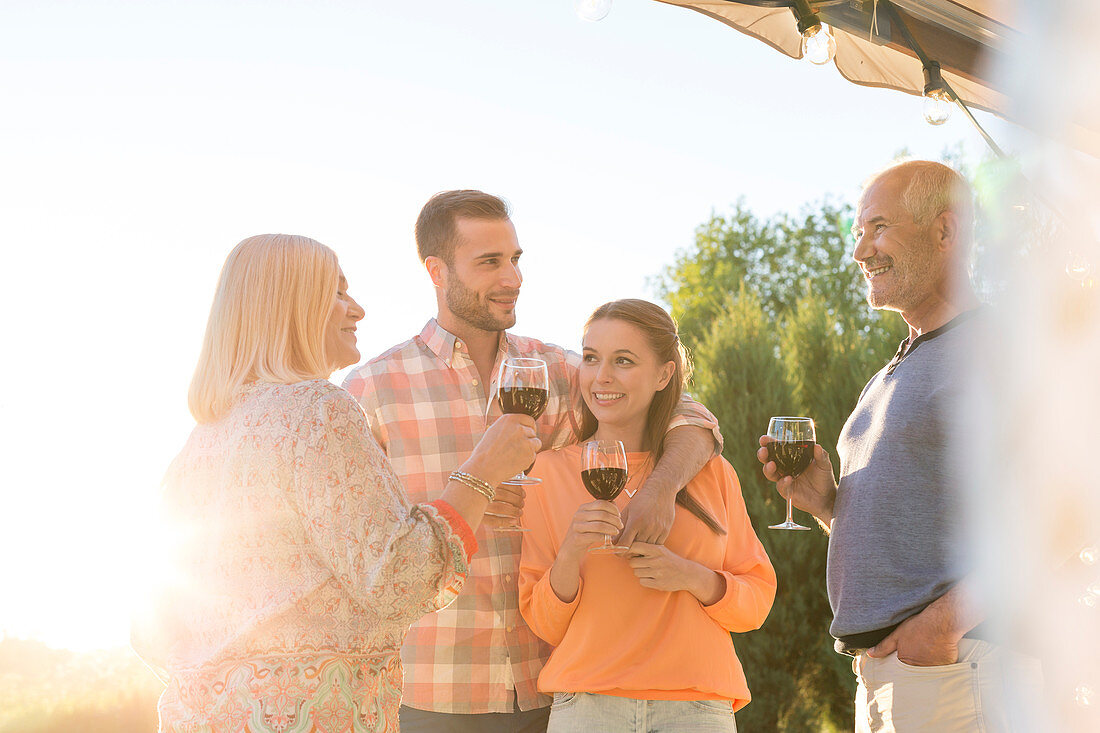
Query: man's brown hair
x=435 y=227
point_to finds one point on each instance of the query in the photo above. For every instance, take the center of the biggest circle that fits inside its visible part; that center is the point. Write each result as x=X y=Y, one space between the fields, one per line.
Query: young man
x=897 y=562
x=473 y=666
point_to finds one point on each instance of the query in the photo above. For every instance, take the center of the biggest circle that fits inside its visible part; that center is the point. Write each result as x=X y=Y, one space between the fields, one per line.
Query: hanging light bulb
x=818 y=42
x=592 y=10
x=937 y=99
x=819 y=45
x=937 y=107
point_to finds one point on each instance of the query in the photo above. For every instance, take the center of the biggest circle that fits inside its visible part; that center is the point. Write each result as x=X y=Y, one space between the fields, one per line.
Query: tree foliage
x=775 y=314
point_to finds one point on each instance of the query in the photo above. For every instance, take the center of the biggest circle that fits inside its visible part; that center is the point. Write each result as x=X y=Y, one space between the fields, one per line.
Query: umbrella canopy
x=969 y=39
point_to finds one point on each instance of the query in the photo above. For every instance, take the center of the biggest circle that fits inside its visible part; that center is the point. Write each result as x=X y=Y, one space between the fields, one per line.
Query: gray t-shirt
x=896 y=540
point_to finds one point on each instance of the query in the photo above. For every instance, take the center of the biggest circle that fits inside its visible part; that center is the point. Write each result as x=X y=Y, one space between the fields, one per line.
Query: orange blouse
x=618 y=638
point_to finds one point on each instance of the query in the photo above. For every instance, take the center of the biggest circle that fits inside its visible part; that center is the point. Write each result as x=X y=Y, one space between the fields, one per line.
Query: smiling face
x=619 y=376
x=481 y=284
x=340 y=341
x=898 y=258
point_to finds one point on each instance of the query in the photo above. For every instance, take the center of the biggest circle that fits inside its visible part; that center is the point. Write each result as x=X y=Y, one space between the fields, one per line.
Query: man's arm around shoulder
x=649 y=516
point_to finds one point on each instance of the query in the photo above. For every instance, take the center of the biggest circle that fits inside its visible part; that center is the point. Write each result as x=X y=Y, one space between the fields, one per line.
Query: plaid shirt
x=427 y=409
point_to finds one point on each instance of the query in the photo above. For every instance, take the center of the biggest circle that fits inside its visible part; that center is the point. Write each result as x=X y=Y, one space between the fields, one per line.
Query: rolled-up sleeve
x=690 y=412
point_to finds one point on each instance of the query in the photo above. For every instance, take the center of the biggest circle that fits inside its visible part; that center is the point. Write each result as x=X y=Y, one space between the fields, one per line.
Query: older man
x=474 y=665
x=897 y=561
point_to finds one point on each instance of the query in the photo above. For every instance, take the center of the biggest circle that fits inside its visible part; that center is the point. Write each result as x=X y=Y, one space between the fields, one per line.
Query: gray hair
x=932 y=189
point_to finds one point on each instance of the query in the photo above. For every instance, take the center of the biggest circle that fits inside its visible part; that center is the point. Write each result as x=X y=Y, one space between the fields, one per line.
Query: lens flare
x=592 y=10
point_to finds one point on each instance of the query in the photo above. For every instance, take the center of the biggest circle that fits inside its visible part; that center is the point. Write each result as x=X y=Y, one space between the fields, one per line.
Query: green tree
x=775 y=313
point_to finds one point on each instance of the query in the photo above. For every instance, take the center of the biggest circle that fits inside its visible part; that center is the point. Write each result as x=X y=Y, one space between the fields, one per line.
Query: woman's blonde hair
x=274 y=297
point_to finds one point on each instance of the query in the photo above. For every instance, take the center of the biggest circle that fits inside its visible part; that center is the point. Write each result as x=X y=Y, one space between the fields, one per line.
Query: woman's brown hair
x=660 y=333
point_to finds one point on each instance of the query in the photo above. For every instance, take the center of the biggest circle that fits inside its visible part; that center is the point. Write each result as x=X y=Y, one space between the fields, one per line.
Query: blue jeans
x=584 y=712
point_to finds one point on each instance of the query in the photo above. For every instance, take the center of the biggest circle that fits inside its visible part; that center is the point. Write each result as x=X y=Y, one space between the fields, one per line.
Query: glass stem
x=790 y=519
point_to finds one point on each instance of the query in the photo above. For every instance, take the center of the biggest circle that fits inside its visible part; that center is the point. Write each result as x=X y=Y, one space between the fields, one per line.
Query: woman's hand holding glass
x=591 y=526
x=507 y=447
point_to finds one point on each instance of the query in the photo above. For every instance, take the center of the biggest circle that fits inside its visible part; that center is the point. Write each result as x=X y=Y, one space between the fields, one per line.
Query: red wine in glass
x=604 y=483
x=523 y=400
x=523 y=388
x=603 y=472
x=793 y=457
x=792 y=449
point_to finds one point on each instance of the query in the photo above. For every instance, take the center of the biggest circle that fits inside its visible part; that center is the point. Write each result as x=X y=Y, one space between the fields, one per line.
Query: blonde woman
x=298 y=561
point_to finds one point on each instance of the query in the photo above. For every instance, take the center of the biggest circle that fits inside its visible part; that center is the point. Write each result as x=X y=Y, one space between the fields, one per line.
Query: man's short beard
x=464 y=304
x=910 y=272
x=881 y=306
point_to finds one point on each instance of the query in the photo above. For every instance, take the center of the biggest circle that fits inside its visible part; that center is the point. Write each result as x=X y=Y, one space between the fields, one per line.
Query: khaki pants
x=989 y=690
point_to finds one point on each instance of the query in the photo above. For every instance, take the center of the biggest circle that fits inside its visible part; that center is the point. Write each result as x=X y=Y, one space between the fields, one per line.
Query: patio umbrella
x=893 y=43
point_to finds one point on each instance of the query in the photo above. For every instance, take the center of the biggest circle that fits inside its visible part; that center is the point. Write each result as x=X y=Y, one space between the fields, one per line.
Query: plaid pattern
x=427 y=409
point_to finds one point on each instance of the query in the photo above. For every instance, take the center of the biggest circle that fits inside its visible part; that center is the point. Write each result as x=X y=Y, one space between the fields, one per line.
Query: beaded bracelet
x=482 y=487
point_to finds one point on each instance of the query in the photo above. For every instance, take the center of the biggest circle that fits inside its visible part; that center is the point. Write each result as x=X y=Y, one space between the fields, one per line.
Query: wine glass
x=603 y=471
x=792 y=450
x=523 y=387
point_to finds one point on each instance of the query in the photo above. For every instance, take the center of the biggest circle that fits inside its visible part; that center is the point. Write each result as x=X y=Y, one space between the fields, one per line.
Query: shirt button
x=508 y=578
x=475 y=382
x=458 y=345
x=509 y=629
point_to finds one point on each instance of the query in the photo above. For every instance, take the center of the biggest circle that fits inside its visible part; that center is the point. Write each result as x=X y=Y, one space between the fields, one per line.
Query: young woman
x=298 y=561
x=642 y=638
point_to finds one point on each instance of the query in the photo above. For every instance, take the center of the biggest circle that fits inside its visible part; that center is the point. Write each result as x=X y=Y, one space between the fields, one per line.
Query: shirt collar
x=906 y=348
x=441 y=342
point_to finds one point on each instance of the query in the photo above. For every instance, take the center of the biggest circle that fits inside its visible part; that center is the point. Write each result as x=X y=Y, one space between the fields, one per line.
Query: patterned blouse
x=297 y=565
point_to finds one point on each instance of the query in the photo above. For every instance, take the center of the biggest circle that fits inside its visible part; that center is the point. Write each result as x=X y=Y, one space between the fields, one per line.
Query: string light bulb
x=938 y=100
x=592 y=10
x=819 y=45
x=937 y=107
x=818 y=42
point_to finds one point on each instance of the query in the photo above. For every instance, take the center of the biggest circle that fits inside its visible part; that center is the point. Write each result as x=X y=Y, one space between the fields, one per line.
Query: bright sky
x=139 y=141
